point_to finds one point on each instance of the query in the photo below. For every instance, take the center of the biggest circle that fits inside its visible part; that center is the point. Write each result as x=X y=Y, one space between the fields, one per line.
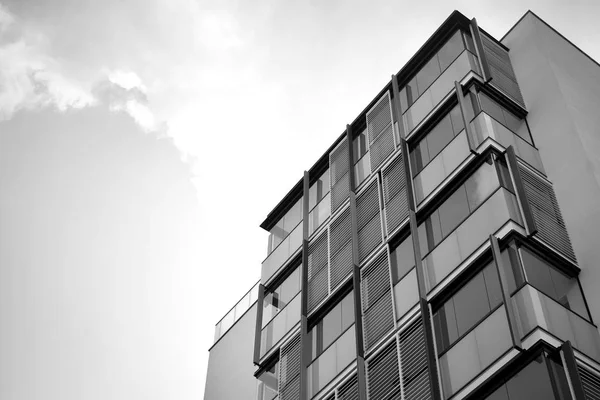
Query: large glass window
x=285 y=225
x=461 y=203
x=318 y=190
x=506 y=118
x=318 y=202
x=553 y=282
x=326 y=331
x=467 y=307
x=276 y=299
x=402 y=259
x=360 y=154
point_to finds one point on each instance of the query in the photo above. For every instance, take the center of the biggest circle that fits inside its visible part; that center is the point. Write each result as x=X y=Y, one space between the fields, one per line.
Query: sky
x=142 y=143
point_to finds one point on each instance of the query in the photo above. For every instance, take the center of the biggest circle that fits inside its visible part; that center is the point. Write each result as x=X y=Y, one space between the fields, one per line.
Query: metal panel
x=378 y=320
x=339 y=175
x=340 y=243
x=289 y=370
x=381 y=132
x=376 y=296
x=590 y=382
x=413 y=358
x=375 y=280
x=547 y=216
x=394 y=193
x=383 y=374
x=318 y=278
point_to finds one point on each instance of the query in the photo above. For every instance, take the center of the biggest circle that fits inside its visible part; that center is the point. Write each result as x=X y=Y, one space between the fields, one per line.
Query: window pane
x=499 y=394
x=440 y=136
x=532 y=382
x=457 y=120
x=538 y=273
x=428 y=74
x=412 y=93
x=451 y=50
x=453 y=211
x=471 y=304
x=403 y=259
x=445 y=326
x=491 y=107
x=332 y=325
x=481 y=185
x=504 y=175
x=293 y=217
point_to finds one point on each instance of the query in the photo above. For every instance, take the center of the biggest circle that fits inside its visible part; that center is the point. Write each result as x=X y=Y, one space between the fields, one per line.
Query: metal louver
x=381 y=132
x=394 y=193
x=349 y=390
x=340 y=175
x=368 y=220
x=590 y=382
x=383 y=374
x=289 y=370
x=548 y=219
x=340 y=248
x=503 y=75
x=376 y=295
x=318 y=287
x=413 y=358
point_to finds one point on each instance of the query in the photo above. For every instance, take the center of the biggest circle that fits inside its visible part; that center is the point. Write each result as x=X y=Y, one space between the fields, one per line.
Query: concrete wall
x=230 y=373
x=561 y=87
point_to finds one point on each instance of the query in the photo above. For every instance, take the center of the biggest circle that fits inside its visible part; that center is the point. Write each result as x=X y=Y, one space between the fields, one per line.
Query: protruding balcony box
x=536 y=310
x=280 y=325
x=500 y=208
x=286 y=249
x=439 y=89
x=475 y=352
x=236 y=312
x=484 y=127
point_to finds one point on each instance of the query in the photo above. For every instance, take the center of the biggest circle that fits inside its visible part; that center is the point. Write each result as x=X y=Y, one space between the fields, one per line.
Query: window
x=467 y=307
x=318 y=190
x=285 y=226
x=402 y=259
x=506 y=118
x=553 y=283
x=275 y=300
x=335 y=322
x=461 y=203
x=268 y=382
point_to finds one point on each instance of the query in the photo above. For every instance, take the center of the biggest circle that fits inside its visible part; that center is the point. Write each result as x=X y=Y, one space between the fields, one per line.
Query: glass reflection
x=268 y=383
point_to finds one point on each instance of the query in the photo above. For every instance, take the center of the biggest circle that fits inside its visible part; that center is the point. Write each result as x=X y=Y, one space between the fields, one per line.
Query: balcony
x=536 y=310
x=280 y=325
x=439 y=89
x=500 y=208
x=236 y=312
x=286 y=249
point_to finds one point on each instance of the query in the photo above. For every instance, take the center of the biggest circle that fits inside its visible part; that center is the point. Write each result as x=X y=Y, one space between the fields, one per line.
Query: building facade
x=445 y=245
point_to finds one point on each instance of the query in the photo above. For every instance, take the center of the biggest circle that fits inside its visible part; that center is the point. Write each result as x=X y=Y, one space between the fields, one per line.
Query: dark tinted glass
x=347 y=311
x=439 y=137
x=481 y=184
x=532 y=382
x=491 y=107
x=403 y=259
x=469 y=42
x=457 y=120
x=453 y=47
x=492 y=284
x=538 y=273
x=560 y=380
x=504 y=174
x=499 y=394
x=471 y=304
x=428 y=74
x=332 y=325
x=453 y=211
x=446 y=331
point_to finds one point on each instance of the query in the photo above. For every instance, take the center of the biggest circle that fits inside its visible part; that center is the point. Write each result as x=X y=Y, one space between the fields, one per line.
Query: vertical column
x=513 y=166
x=258 y=328
x=423 y=304
x=485 y=68
x=570 y=364
x=501 y=270
x=463 y=108
x=304 y=339
x=360 y=351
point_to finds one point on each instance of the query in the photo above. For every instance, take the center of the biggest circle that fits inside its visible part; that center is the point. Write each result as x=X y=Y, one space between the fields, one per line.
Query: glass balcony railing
x=484 y=126
x=319 y=214
x=287 y=248
x=475 y=352
x=332 y=361
x=534 y=309
x=236 y=312
x=281 y=324
x=444 y=84
x=496 y=211
x=441 y=166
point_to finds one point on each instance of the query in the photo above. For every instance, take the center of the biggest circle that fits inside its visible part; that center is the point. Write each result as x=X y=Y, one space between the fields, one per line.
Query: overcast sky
x=142 y=142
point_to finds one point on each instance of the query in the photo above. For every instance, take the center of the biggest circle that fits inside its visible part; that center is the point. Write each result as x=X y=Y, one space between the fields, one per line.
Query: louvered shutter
x=383 y=374
x=368 y=220
x=590 y=382
x=381 y=132
x=349 y=389
x=341 y=248
x=318 y=287
x=503 y=75
x=339 y=175
x=376 y=295
x=548 y=219
x=413 y=358
x=394 y=193
x=289 y=370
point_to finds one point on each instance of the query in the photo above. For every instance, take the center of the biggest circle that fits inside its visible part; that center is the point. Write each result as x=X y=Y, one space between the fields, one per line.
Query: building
x=450 y=243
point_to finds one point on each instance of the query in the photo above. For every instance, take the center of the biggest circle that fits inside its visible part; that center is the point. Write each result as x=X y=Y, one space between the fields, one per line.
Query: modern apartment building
x=445 y=246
